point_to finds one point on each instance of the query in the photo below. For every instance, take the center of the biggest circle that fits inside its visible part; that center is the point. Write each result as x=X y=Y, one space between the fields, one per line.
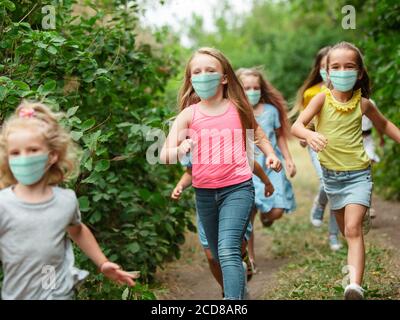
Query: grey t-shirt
x=35 y=251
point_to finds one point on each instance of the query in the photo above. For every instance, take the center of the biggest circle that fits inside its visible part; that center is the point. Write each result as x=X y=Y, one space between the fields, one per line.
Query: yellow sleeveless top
x=307 y=96
x=311 y=93
x=340 y=123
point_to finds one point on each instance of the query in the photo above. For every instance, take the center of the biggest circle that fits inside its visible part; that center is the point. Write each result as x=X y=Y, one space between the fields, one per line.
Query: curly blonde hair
x=36 y=115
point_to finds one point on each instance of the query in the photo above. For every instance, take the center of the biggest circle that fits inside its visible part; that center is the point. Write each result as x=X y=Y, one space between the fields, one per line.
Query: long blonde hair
x=56 y=137
x=233 y=90
x=269 y=94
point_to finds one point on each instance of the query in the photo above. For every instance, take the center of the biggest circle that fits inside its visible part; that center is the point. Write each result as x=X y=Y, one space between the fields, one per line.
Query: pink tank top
x=219 y=157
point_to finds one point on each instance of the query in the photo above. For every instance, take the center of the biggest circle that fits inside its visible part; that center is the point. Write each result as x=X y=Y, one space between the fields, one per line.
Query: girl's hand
x=303 y=143
x=273 y=162
x=114 y=272
x=185 y=147
x=176 y=194
x=316 y=141
x=291 y=168
x=269 y=189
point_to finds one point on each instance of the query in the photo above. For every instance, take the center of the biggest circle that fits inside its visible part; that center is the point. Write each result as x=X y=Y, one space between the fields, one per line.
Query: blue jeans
x=225 y=214
x=321 y=198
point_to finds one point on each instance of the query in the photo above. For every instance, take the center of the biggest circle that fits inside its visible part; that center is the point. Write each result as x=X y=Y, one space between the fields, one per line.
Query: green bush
x=111 y=89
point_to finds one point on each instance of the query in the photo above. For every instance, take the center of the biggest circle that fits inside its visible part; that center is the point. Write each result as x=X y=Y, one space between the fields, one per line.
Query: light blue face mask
x=29 y=170
x=253 y=96
x=322 y=72
x=206 y=85
x=343 y=81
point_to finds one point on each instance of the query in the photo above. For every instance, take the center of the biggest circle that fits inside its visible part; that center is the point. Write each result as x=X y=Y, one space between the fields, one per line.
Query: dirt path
x=386 y=225
x=190 y=278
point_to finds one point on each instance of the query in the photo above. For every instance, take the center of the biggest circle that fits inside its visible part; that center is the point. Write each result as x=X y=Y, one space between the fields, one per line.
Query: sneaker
x=366 y=224
x=334 y=242
x=372 y=213
x=353 y=292
x=316 y=214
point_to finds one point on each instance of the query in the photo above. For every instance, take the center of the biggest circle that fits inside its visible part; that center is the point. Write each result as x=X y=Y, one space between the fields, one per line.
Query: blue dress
x=283 y=196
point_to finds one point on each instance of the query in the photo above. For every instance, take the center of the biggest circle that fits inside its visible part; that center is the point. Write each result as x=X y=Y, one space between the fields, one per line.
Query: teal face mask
x=253 y=96
x=322 y=72
x=206 y=85
x=28 y=170
x=343 y=80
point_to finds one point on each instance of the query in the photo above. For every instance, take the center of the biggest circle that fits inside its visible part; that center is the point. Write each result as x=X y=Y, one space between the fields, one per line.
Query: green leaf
x=89 y=123
x=52 y=50
x=8 y=5
x=21 y=85
x=72 y=111
x=102 y=165
x=169 y=229
x=133 y=247
x=84 y=204
x=50 y=86
x=89 y=164
x=93 y=178
x=76 y=135
x=3 y=93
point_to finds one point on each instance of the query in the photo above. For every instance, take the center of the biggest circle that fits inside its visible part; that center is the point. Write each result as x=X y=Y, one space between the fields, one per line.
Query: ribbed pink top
x=219 y=156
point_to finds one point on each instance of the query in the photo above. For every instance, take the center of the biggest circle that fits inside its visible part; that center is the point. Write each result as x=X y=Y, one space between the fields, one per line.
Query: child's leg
x=235 y=208
x=320 y=201
x=252 y=254
x=268 y=218
x=215 y=268
x=339 y=215
x=333 y=225
x=353 y=217
x=334 y=241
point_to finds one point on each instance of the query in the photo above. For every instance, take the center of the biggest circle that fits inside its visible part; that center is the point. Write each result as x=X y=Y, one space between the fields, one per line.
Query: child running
x=338 y=139
x=312 y=86
x=36 y=155
x=215 y=268
x=270 y=112
x=218 y=118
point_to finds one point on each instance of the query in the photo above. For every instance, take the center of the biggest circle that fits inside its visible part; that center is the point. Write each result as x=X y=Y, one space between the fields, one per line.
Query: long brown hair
x=363 y=83
x=269 y=94
x=313 y=78
x=233 y=90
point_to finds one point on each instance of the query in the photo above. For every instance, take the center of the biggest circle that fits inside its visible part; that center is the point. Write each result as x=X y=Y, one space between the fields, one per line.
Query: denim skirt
x=348 y=187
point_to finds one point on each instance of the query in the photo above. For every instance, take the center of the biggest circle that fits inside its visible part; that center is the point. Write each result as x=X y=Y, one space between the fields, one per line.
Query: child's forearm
x=392 y=131
x=283 y=146
x=86 y=241
x=263 y=143
x=186 y=180
x=299 y=130
x=259 y=172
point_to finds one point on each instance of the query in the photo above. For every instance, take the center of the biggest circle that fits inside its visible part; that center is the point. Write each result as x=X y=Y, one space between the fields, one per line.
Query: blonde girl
x=37 y=154
x=338 y=140
x=270 y=111
x=218 y=119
